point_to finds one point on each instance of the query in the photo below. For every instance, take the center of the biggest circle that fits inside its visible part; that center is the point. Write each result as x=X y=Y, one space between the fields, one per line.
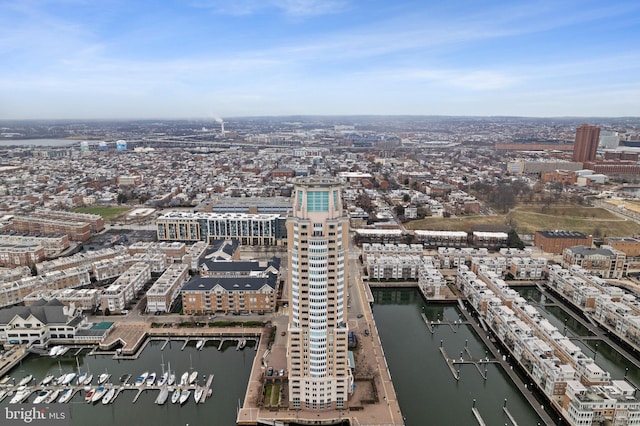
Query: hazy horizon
x=205 y=59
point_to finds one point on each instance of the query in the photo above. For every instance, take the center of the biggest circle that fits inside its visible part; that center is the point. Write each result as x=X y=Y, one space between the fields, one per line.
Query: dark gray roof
x=588 y=251
x=561 y=233
x=244 y=283
x=244 y=266
x=47 y=313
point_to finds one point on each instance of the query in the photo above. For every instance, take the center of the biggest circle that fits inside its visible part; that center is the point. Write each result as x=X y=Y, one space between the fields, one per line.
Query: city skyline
x=71 y=59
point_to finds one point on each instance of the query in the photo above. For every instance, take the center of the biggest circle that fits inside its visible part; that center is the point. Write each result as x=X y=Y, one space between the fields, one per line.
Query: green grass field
x=105 y=212
x=528 y=219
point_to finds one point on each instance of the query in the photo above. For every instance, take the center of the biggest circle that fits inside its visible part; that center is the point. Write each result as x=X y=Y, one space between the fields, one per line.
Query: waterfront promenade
x=373 y=402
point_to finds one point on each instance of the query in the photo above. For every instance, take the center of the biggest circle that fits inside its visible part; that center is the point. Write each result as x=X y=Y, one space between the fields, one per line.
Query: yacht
x=141 y=378
x=52 y=396
x=81 y=378
x=65 y=396
x=98 y=394
x=151 y=379
x=197 y=395
x=68 y=378
x=185 y=378
x=108 y=397
x=175 y=396
x=103 y=378
x=56 y=351
x=21 y=394
x=88 y=380
x=162 y=396
x=48 y=379
x=163 y=379
x=184 y=396
x=42 y=396
x=25 y=380
x=193 y=377
x=241 y=344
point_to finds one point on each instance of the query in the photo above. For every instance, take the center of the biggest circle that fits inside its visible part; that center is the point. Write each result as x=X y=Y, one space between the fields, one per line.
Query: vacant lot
x=105 y=212
x=634 y=206
x=527 y=219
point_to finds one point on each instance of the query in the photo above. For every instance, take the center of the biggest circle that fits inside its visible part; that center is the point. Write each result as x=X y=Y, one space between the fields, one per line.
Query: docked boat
x=209 y=393
x=172 y=378
x=103 y=378
x=184 y=379
x=175 y=396
x=108 y=397
x=162 y=396
x=184 y=396
x=20 y=395
x=48 y=379
x=98 y=394
x=42 y=396
x=25 y=380
x=193 y=377
x=3 y=394
x=65 y=396
x=52 y=396
x=151 y=379
x=89 y=395
x=241 y=344
x=87 y=380
x=5 y=380
x=81 y=378
x=56 y=351
x=197 y=395
x=162 y=380
x=142 y=378
x=200 y=344
x=68 y=378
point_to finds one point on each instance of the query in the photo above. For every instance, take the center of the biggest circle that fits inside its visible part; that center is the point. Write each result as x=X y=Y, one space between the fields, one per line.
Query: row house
x=85 y=299
x=490 y=240
x=527 y=268
x=433 y=239
x=397 y=267
x=53 y=245
x=42 y=226
x=25 y=254
x=173 y=250
x=14 y=292
x=119 y=294
x=390 y=249
x=451 y=258
x=382 y=236
x=78 y=259
x=95 y=221
x=194 y=254
x=431 y=281
x=166 y=289
x=110 y=268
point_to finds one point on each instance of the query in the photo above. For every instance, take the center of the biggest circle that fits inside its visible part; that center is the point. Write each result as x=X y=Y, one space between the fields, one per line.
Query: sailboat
x=197 y=395
x=184 y=396
x=200 y=344
x=175 y=396
x=52 y=396
x=42 y=396
x=194 y=374
x=172 y=376
x=108 y=397
x=163 y=395
x=25 y=380
x=66 y=396
x=142 y=378
x=103 y=377
x=98 y=394
x=48 y=379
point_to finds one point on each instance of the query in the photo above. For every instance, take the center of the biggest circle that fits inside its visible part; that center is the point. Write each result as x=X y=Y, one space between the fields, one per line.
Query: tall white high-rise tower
x=318 y=242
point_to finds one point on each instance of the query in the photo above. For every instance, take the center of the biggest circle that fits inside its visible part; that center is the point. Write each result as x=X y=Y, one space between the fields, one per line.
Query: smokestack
x=222 y=127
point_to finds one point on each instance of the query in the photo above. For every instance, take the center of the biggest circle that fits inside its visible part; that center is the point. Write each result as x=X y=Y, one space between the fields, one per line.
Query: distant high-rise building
x=318 y=241
x=586 y=143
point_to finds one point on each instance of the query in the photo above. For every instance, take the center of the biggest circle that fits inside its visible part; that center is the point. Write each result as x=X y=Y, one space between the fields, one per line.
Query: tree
x=513 y=240
x=107 y=312
x=406 y=198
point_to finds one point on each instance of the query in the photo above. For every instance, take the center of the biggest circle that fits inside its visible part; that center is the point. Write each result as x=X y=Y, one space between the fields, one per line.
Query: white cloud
x=294 y=8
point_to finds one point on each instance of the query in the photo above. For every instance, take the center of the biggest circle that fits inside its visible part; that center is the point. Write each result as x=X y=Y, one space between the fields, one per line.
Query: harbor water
x=230 y=368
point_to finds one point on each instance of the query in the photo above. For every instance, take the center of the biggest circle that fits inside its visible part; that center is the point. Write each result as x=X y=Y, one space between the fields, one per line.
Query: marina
x=231 y=370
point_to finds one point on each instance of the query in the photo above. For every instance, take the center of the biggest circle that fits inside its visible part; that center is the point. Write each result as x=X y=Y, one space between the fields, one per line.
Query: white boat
x=87 y=380
x=68 y=378
x=162 y=396
x=48 y=379
x=151 y=379
x=5 y=380
x=141 y=378
x=172 y=378
x=89 y=395
x=185 y=378
x=81 y=378
x=53 y=396
x=98 y=394
x=42 y=396
x=193 y=377
x=3 y=394
x=241 y=344
x=175 y=396
x=103 y=378
x=25 y=380
x=20 y=395
x=200 y=344
x=184 y=396
x=197 y=395
x=56 y=350
x=162 y=380
x=65 y=396
x=108 y=397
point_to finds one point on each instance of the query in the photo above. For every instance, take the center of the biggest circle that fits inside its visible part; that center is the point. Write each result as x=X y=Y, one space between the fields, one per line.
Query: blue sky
x=224 y=58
